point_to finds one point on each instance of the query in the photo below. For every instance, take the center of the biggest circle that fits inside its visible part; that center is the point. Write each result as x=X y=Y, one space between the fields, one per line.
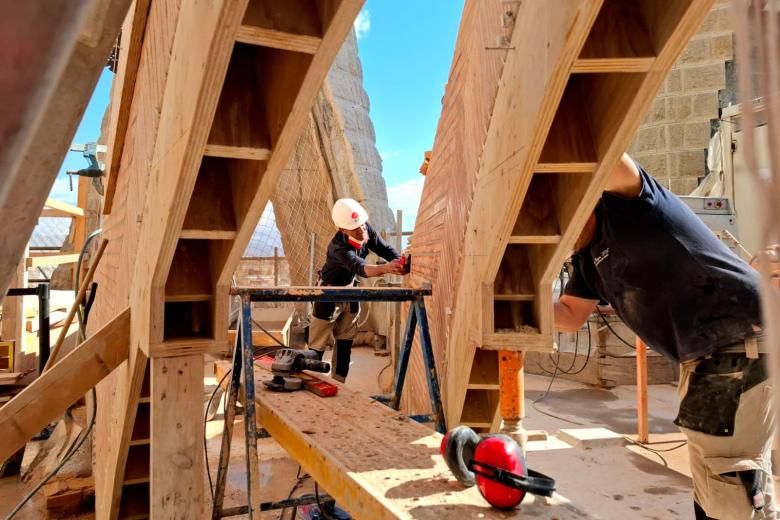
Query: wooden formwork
x=578 y=78
x=208 y=104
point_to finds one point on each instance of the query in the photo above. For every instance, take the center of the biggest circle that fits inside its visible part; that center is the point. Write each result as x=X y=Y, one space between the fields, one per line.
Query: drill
x=289 y=361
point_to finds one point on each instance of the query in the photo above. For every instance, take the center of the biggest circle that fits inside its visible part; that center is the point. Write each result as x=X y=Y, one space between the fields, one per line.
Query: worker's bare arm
x=625 y=179
x=393 y=267
x=571 y=312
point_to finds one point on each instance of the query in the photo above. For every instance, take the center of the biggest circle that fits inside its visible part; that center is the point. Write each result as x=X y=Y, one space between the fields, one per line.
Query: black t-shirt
x=344 y=262
x=667 y=276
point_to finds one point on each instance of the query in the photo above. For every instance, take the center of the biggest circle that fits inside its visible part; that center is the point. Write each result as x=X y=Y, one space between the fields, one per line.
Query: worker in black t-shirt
x=689 y=297
x=335 y=324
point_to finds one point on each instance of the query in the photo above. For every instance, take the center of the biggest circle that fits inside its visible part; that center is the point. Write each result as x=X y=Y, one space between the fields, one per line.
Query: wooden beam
x=237 y=152
x=204 y=33
x=51 y=394
x=130 y=45
x=278 y=39
x=177 y=462
x=40 y=260
x=65 y=208
x=605 y=65
x=48 y=82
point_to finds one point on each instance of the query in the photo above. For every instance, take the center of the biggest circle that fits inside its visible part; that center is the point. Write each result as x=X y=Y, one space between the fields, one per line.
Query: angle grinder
x=287 y=363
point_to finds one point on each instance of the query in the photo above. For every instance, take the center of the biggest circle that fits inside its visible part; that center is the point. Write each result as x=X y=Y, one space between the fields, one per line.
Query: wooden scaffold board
x=376 y=462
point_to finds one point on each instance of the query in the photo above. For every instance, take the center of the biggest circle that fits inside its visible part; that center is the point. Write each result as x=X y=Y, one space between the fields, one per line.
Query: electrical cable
x=379 y=375
x=92 y=412
x=543 y=397
x=205 y=422
x=257 y=352
x=656 y=450
x=77 y=278
x=299 y=479
x=557 y=362
x=319 y=503
x=604 y=319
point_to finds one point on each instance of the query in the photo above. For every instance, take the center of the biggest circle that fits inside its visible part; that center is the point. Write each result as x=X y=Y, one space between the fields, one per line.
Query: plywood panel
x=449 y=183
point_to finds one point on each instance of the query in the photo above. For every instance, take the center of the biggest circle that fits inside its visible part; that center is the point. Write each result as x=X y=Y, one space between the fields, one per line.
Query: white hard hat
x=348 y=214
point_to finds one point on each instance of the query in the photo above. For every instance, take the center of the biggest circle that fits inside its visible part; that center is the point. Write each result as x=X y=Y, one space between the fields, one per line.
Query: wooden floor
x=377 y=463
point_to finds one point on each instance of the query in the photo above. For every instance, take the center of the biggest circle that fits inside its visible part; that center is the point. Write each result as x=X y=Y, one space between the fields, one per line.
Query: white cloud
x=389 y=155
x=406 y=197
x=362 y=23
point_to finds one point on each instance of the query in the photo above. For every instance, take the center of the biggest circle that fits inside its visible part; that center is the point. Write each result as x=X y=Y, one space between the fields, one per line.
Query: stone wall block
x=704 y=77
x=696 y=135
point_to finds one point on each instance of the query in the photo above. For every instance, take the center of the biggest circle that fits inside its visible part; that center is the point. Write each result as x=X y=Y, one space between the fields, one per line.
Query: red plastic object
x=505 y=455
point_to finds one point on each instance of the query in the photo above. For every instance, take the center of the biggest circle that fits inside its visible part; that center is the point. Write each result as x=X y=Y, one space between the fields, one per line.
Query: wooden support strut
x=52 y=393
x=641 y=390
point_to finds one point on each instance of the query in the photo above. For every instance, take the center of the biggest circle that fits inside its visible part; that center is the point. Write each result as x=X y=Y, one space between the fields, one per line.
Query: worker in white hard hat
x=335 y=324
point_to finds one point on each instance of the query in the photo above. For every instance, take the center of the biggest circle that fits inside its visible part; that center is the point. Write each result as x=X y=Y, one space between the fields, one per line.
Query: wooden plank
x=207 y=234
x=49 y=395
x=366 y=479
x=517 y=341
x=606 y=65
x=64 y=207
x=237 y=152
x=534 y=239
x=10 y=378
x=42 y=260
x=65 y=51
x=278 y=39
x=177 y=465
x=130 y=45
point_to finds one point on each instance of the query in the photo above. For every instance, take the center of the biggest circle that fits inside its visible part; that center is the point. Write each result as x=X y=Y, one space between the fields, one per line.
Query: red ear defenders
x=495 y=463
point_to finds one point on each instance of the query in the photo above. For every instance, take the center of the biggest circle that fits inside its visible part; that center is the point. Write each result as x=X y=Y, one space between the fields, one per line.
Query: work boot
x=341 y=357
x=319 y=353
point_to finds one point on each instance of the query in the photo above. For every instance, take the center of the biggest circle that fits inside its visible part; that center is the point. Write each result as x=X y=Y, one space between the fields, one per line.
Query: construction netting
x=289 y=243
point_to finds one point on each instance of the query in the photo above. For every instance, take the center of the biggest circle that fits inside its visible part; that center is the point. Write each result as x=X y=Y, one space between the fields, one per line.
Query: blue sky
x=406 y=48
x=88 y=131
